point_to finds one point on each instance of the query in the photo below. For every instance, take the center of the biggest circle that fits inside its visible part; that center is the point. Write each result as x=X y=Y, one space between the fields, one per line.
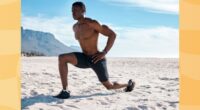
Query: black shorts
x=100 y=68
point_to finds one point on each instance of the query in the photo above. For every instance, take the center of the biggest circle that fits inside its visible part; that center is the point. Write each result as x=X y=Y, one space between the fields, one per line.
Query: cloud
x=131 y=42
x=146 y=42
x=157 y=6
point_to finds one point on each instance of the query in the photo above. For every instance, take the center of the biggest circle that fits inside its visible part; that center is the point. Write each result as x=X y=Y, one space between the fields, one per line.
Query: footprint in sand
x=169 y=79
x=74 y=78
x=72 y=106
x=149 y=92
x=104 y=103
x=51 y=90
x=159 y=105
x=131 y=108
x=144 y=87
x=172 y=103
x=48 y=74
x=33 y=93
x=143 y=107
x=89 y=98
x=76 y=101
x=34 y=74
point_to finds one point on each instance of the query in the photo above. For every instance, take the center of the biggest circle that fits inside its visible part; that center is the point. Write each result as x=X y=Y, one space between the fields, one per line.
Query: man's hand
x=98 y=56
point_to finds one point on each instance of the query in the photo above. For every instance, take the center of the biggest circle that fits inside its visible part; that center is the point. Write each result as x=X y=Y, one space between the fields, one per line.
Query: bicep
x=105 y=30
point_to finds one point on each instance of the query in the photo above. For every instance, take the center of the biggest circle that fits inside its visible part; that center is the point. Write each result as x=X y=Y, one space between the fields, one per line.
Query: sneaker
x=63 y=95
x=131 y=85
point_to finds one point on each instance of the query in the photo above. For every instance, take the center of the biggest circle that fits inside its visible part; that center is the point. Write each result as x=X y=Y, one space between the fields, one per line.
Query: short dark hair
x=80 y=4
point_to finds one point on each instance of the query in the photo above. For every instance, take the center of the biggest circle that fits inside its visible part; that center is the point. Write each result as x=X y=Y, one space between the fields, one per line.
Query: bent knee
x=67 y=58
x=64 y=58
x=60 y=57
x=108 y=87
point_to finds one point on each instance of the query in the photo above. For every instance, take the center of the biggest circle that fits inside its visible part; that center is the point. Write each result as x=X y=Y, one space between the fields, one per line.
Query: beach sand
x=157 y=85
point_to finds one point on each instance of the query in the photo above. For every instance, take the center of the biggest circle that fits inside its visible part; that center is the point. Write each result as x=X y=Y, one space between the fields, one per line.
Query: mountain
x=43 y=43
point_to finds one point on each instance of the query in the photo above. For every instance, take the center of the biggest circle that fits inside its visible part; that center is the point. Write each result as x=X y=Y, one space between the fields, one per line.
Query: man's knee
x=107 y=85
x=67 y=58
x=64 y=58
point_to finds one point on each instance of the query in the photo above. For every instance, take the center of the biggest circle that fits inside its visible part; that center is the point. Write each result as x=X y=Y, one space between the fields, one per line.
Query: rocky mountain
x=42 y=43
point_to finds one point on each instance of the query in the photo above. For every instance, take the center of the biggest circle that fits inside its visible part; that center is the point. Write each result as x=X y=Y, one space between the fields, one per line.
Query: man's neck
x=81 y=19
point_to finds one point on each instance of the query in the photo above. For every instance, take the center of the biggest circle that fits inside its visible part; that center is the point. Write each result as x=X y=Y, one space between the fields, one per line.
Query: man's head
x=78 y=10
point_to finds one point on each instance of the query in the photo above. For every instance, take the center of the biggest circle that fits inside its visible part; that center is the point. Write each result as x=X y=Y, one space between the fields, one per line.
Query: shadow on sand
x=91 y=95
x=28 y=101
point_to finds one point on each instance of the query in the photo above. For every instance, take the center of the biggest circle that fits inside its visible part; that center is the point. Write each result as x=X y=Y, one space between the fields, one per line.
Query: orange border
x=189 y=55
x=10 y=55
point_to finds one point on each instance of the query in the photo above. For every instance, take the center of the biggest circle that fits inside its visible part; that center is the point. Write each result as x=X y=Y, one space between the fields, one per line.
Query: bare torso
x=87 y=36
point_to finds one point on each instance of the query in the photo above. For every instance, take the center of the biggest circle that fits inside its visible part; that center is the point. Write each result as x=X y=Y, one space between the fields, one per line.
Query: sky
x=145 y=28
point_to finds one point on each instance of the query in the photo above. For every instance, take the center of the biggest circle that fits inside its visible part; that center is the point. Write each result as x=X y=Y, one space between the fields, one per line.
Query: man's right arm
x=74 y=29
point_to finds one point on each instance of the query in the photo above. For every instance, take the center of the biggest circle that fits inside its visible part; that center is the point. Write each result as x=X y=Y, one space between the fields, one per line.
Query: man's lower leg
x=63 y=69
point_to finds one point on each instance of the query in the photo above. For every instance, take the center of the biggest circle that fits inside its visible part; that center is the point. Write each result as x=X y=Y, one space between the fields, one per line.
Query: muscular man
x=87 y=32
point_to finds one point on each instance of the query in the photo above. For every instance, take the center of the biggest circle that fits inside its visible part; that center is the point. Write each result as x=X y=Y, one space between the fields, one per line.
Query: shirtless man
x=87 y=32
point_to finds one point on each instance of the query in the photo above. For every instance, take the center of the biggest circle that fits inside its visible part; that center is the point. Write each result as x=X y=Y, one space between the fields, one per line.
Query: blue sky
x=130 y=19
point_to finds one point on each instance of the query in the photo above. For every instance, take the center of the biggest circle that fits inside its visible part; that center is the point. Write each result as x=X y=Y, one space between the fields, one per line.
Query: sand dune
x=157 y=85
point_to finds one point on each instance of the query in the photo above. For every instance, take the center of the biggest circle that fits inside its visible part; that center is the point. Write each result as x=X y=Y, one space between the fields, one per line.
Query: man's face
x=77 y=12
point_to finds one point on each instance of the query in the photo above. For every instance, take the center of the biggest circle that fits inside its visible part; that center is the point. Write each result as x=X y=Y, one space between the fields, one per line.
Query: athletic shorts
x=100 y=68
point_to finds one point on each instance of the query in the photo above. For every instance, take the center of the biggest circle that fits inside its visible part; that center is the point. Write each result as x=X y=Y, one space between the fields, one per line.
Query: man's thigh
x=82 y=60
x=100 y=69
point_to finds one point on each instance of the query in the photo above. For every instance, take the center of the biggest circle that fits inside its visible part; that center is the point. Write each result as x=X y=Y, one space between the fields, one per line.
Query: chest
x=83 y=31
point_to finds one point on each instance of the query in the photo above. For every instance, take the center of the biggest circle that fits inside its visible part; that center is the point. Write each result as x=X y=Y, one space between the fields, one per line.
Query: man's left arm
x=111 y=37
x=105 y=30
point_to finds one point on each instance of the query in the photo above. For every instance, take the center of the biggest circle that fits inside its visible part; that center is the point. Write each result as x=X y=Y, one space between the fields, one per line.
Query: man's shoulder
x=90 y=20
x=75 y=25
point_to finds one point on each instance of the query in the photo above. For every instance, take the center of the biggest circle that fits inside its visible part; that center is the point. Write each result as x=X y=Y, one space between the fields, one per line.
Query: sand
x=157 y=85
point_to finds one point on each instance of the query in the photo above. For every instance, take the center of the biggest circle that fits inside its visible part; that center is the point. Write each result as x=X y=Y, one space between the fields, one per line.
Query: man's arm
x=106 y=31
x=111 y=37
x=74 y=29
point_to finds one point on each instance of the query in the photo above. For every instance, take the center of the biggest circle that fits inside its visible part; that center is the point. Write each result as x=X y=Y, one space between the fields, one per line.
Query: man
x=87 y=32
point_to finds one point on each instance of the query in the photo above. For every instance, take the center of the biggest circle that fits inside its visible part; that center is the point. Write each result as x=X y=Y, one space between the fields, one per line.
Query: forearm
x=110 y=43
